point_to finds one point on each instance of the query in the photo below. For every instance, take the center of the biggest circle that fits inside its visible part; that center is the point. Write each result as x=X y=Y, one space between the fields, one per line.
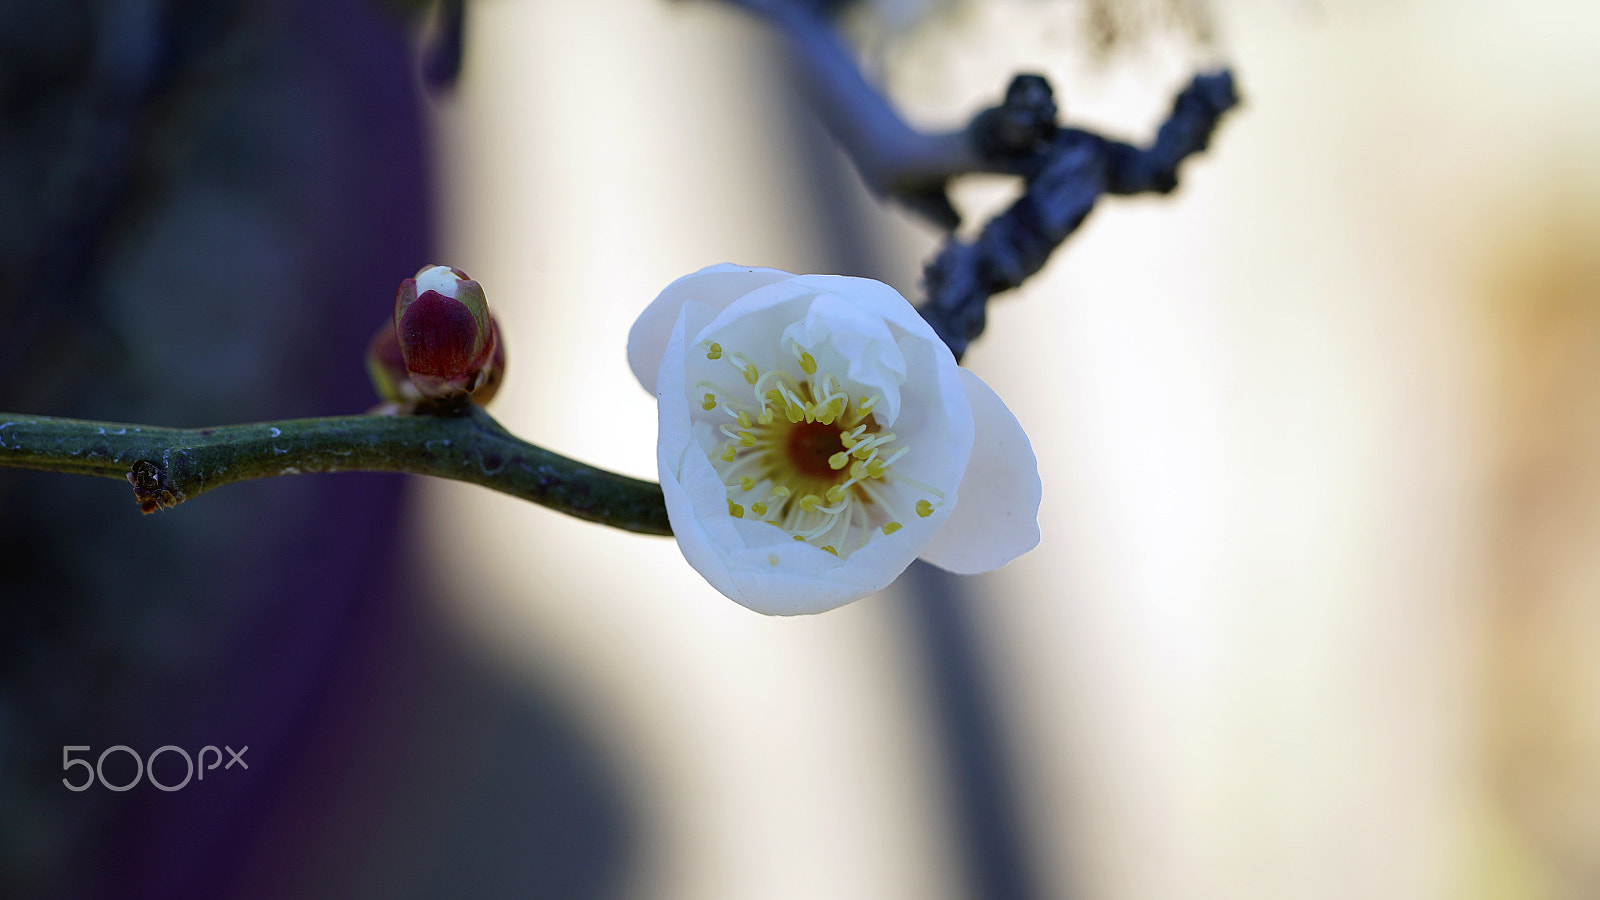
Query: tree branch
x=1065 y=179
x=169 y=465
x=893 y=158
x=1065 y=170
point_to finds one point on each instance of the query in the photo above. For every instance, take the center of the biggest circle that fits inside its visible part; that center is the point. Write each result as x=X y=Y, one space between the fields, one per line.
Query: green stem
x=169 y=465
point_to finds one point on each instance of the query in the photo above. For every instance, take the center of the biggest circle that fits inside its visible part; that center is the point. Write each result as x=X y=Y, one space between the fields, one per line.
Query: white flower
x=816 y=437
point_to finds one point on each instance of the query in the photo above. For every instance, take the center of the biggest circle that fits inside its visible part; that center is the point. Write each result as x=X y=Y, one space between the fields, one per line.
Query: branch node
x=1022 y=126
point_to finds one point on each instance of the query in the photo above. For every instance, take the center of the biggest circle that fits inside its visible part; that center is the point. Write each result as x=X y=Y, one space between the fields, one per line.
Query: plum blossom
x=816 y=437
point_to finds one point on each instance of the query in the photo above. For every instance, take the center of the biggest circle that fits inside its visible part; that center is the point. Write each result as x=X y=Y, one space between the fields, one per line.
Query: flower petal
x=936 y=422
x=853 y=342
x=876 y=298
x=806 y=580
x=787 y=590
x=716 y=286
x=996 y=518
x=698 y=546
x=688 y=482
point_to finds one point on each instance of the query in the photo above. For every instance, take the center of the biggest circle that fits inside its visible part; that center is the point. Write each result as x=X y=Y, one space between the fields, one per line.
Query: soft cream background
x=1313 y=614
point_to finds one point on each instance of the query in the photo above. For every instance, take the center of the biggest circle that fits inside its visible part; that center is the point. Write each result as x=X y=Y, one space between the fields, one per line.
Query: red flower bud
x=445 y=333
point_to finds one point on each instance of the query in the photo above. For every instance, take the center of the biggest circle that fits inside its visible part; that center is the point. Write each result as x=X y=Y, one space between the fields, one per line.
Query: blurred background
x=1316 y=611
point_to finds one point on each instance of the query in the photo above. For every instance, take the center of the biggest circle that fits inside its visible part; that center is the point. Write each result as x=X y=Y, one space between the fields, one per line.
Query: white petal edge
x=674 y=447
x=716 y=286
x=698 y=547
x=876 y=299
x=996 y=518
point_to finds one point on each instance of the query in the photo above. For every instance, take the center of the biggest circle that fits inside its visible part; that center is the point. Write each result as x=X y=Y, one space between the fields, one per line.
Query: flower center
x=803 y=454
x=810 y=444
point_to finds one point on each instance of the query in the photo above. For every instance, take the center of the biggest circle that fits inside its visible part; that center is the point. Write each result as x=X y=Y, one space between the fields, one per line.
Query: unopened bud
x=446 y=335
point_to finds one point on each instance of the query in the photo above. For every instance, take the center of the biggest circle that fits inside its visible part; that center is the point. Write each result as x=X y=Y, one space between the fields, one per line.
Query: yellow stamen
x=859 y=490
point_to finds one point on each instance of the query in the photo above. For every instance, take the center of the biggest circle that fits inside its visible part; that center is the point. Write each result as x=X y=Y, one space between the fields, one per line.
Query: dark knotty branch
x=1065 y=177
x=1065 y=170
x=1018 y=137
x=169 y=465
